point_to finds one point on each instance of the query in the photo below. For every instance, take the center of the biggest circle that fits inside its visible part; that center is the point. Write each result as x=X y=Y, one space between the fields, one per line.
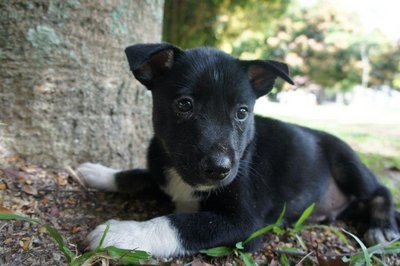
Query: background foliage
x=324 y=45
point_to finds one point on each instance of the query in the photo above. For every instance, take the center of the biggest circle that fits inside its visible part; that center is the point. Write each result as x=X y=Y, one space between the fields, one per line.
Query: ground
x=55 y=197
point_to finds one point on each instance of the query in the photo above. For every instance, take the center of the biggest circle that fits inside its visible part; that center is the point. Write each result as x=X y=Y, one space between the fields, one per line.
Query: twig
x=305 y=257
x=59 y=190
x=290 y=252
x=301 y=242
x=76 y=177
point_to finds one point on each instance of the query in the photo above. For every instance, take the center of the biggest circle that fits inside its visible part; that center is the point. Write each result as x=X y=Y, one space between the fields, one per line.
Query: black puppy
x=228 y=171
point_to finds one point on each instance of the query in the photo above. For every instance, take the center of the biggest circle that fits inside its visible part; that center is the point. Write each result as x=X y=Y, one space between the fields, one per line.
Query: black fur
x=243 y=171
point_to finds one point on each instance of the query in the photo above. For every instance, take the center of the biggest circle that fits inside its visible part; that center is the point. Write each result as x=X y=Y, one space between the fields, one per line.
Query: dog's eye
x=242 y=113
x=184 y=105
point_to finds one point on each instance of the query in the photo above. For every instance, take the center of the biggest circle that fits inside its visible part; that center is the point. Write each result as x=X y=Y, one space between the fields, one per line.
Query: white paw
x=156 y=236
x=98 y=176
x=380 y=236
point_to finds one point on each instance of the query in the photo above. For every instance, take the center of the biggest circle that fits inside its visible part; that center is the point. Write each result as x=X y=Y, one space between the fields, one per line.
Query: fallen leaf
x=3 y=186
x=71 y=201
x=45 y=201
x=274 y=263
x=55 y=212
x=75 y=229
x=11 y=172
x=331 y=261
x=198 y=262
x=61 y=180
x=2 y=209
x=26 y=241
x=29 y=169
x=15 y=159
x=30 y=190
x=42 y=230
x=8 y=241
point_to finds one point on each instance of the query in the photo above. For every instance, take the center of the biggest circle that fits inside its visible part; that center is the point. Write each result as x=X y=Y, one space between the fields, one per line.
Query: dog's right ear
x=150 y=61
x=263 y=73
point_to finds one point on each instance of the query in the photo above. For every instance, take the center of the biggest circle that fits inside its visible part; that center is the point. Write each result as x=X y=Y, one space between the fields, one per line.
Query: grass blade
x=217 y=251
x=284 y=260
x=378 y=260
x=51 y=230
x=364 y=249
x=16 y=217
x=103 y=237
x=81 y=259
x=126 y=256
x=267 y=228
x=393 y=248
x=280 y=218
x=259 y=232
x=247 y=259
x=304 y=217
x=60 y=242
x=239 y=245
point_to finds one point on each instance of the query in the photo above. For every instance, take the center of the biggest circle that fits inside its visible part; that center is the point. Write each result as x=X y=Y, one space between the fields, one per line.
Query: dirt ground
x=55 y=197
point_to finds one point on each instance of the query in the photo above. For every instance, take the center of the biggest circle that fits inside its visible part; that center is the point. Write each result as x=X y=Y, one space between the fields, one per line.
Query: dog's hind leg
x=357 y=181
x=113 y=180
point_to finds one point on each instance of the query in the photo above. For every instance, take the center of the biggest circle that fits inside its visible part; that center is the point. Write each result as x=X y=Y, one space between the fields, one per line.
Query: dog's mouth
x=201 y=183
x=208 y=174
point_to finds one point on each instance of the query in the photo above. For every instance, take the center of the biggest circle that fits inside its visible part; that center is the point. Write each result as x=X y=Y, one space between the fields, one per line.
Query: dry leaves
x=60 y=198
x=3 y=186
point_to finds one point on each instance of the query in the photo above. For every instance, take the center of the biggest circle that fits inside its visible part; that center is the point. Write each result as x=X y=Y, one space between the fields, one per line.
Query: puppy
x=229 y=171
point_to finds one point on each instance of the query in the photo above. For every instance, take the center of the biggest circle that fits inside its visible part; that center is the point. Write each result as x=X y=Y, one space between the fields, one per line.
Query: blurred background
x=334 y=48
x=344 y=57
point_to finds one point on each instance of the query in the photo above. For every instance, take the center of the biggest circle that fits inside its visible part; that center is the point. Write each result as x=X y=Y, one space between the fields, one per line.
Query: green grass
x=363 y=256
x=117 y=255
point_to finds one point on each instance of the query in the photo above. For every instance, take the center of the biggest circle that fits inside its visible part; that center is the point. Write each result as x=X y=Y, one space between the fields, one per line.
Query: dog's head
x=203 y=102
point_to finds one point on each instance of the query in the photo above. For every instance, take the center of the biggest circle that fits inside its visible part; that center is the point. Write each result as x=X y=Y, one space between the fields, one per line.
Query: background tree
x=320 y=45
x=191 y=23
x=324 y=45
x=385 y=65
x=66 y=92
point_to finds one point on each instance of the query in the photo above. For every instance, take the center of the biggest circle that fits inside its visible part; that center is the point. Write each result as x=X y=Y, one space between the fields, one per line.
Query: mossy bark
x=66 y=92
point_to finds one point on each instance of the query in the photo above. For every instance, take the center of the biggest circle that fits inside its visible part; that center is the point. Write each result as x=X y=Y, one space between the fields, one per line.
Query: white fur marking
x=181 y=193
x=380 y=236
x=156 y=236
x=216 y=75
x=98 y=176
x=170 y=60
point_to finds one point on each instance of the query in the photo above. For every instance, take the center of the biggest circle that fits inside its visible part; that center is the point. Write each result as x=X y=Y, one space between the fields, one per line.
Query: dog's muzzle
x=216 y=167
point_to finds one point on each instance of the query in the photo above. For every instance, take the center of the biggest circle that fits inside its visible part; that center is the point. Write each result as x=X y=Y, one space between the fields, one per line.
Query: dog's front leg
x=113 y=180
x=156 y=236
x=174 y=235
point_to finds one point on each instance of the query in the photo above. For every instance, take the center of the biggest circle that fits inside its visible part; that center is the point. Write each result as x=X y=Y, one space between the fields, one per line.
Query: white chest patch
x=180 y=192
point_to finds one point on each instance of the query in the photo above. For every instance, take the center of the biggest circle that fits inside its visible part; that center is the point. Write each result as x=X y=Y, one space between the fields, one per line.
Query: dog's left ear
x=263 y=73
x=150 y=61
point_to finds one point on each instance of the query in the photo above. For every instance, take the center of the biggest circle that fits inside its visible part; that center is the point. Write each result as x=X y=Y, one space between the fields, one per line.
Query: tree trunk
x=66 y=92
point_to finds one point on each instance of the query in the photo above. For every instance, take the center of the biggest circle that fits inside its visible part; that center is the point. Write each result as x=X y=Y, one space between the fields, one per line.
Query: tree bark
x=66 y=92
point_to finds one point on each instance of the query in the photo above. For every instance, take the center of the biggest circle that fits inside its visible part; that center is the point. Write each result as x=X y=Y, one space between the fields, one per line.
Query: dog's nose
x=216 y=167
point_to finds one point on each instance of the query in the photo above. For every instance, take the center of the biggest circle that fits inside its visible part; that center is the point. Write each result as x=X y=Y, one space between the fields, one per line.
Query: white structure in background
x=384 y=97
x=297 y=97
